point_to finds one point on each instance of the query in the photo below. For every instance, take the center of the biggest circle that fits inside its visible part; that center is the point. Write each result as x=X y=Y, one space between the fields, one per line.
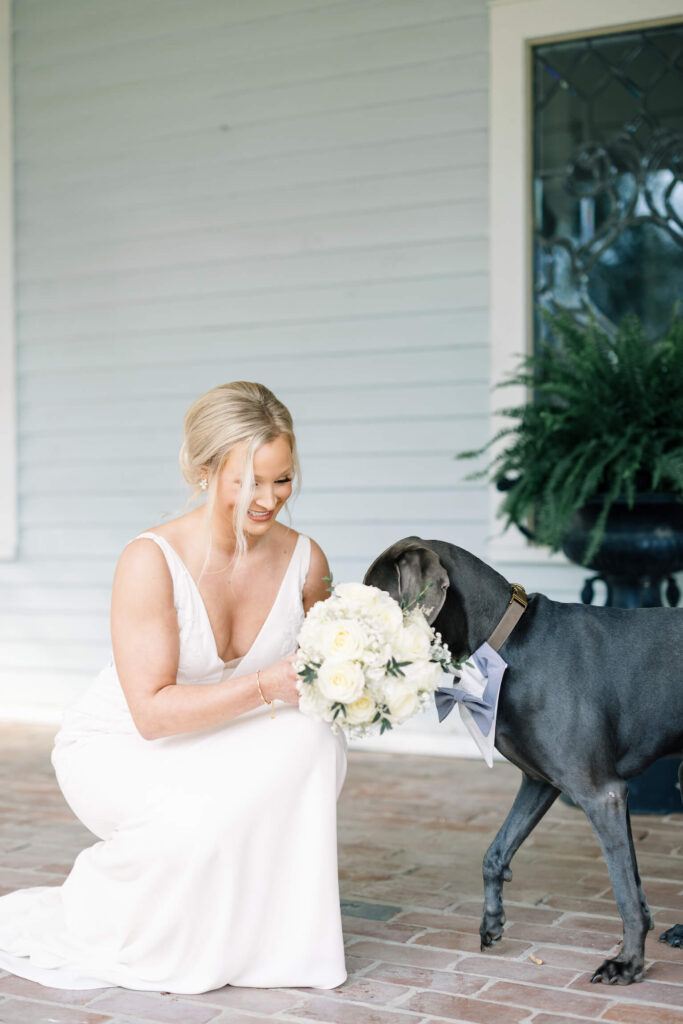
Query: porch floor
x=412 y=834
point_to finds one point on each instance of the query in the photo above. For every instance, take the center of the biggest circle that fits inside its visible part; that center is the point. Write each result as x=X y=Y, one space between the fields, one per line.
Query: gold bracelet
x=268 y=702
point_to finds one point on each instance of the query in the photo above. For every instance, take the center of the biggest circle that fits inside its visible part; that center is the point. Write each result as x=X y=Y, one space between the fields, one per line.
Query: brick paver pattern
x=412 y=834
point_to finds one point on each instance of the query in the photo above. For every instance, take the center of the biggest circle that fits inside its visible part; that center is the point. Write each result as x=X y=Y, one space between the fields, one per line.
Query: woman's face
x=273 y=484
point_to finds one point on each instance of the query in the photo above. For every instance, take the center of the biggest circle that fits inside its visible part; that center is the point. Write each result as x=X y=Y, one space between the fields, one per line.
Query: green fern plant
x=605 y=422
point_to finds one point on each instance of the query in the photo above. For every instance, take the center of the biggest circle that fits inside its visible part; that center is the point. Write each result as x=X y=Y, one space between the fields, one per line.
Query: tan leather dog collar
x=513 y=613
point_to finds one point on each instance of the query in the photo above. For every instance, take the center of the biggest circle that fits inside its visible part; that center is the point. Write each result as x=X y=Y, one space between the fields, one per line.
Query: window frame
x=515 y=27
x=8 y=412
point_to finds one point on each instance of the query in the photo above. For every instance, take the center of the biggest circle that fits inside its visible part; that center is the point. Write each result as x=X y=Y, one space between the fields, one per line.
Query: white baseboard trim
x=430 y=744
x=423 y=743
x=32 y=715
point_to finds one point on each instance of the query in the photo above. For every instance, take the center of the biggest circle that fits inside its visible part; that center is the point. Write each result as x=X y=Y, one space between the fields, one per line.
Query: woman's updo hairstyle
x=214 y=424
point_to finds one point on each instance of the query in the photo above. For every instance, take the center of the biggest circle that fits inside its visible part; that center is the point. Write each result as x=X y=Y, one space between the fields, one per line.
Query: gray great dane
x=591 y=697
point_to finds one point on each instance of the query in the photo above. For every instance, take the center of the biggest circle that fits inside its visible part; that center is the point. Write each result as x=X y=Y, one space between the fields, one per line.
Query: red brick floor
x=412 y=833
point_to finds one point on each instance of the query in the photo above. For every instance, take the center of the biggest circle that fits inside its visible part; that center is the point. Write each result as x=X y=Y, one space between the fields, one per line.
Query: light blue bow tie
x=482 y=709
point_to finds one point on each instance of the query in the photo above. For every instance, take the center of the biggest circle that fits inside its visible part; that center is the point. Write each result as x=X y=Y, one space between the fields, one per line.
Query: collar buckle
x=519 y=595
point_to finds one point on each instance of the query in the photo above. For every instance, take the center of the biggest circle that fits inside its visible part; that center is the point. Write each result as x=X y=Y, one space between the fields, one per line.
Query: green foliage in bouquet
x=309 y=673
x=385 y=722
x=606 y=421
x=395 y=668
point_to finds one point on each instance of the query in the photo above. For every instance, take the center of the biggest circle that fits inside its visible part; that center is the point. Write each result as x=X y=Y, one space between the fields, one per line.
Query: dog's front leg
x=636 y=874
x=606 y=810
x=532 y=801
x=674 y=936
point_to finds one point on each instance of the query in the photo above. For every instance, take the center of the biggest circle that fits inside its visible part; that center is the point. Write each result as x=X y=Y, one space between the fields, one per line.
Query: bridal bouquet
x=366 y=664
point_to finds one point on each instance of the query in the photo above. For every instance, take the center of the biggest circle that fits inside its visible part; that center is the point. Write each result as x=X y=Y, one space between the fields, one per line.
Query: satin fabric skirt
x=217 y=861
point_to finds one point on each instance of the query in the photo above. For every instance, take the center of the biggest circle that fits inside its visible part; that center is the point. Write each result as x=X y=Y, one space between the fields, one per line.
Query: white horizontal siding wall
x=292 y=191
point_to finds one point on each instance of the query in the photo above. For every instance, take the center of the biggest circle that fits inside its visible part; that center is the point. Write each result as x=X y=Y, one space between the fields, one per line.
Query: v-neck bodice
x=102 y=706
x=199 y=656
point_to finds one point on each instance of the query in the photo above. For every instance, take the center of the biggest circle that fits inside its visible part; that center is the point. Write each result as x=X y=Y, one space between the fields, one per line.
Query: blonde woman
x=213 y=797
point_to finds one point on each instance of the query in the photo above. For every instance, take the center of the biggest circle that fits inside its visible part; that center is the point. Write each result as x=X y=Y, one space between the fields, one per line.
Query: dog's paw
x=673 y=936
x=619 y=972
x=491 y=930
x=487 y=939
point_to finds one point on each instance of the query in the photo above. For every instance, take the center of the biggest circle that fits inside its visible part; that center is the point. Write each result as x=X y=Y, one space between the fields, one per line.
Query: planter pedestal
x=633 y=591
x=642 y=548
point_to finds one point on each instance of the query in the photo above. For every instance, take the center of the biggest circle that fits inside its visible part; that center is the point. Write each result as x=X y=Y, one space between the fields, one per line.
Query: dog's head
x=412 y=574
x=449 y=584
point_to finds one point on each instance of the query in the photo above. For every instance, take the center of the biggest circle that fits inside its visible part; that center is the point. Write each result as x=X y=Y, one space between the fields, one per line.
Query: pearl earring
x=203 y=483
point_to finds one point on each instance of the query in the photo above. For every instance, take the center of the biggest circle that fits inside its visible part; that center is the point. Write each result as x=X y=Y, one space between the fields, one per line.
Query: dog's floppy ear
x=422 y=580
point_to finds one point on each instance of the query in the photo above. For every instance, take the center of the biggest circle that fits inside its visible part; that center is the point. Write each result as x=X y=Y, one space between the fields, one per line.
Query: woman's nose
x=265 y=498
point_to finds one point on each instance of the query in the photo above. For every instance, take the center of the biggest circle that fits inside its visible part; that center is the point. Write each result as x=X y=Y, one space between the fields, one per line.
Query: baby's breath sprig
x=448 y=662
x=442 y=656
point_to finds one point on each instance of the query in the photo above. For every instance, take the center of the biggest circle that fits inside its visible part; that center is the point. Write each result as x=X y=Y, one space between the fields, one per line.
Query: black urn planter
x=641 y=550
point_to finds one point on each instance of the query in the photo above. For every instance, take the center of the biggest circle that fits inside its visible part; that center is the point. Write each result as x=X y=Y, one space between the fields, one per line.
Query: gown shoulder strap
x=173 y=560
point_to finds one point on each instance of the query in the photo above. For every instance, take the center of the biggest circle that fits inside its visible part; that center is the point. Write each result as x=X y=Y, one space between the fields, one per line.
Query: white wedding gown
x=217 y=860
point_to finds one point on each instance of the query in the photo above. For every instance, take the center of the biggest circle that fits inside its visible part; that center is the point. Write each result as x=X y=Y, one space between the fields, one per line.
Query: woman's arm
x=317 y=585
x=146 y=646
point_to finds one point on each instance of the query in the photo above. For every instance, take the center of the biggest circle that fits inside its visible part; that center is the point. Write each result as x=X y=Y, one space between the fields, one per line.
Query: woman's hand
x=278 y=681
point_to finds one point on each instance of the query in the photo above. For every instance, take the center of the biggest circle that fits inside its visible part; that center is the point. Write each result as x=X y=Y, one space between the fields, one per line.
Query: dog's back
x=615 y=672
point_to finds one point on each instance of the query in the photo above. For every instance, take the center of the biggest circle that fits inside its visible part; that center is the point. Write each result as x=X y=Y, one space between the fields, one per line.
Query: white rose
x=341 y=681
x=412 y=644
x=311 y=633
x=313 y=704
x=375 y=680
x=417 y=619
x=423 y=676
x=319 y=612
x=401 y=700
x=383 y=610
x=360 y=711
x=387 y=617
x=357 y=595
x=342 y=640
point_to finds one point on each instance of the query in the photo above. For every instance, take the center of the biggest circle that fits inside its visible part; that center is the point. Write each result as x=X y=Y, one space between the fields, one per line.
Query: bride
x=213 y=797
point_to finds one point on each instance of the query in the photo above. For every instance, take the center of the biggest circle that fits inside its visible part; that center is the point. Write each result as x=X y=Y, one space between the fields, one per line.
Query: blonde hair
x=213 y=425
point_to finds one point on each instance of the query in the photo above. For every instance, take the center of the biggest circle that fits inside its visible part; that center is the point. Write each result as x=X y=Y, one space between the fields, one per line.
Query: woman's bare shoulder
x=142 y=571
x=317 y=584
x=318 y=557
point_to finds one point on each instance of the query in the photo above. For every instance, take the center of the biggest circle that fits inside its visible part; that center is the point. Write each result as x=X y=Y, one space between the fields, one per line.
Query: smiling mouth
x=260 y=517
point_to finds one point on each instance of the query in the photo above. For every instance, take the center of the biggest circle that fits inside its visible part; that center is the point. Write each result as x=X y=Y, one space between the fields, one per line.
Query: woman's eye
x=286 y=480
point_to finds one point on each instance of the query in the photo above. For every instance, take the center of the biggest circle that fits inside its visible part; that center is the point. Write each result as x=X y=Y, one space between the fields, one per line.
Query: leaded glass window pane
x=608 y=176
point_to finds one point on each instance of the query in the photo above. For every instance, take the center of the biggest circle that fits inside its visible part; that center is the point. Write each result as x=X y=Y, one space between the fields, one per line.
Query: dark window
x=608 y=176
